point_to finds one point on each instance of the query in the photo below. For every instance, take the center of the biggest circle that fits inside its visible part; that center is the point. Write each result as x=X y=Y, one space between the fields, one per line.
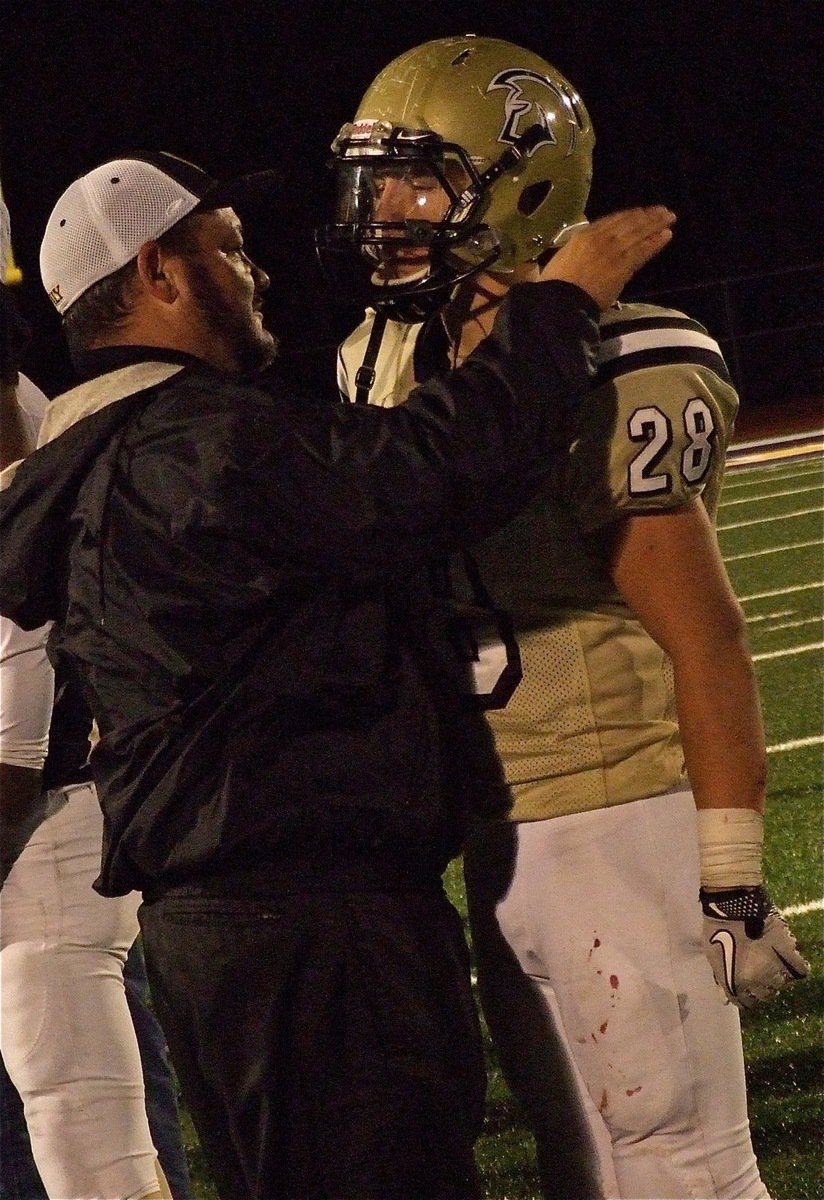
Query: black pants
x=327 y=1043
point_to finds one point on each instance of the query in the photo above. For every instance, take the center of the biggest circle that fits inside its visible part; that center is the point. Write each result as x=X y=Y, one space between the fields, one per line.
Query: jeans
x=161 y=1090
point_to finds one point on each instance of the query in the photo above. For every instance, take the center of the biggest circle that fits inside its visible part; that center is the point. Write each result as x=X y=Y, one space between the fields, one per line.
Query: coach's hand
x=602 y=257
x=751 y=949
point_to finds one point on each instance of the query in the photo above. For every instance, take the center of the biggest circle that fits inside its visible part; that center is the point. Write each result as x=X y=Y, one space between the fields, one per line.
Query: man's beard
x=252 y=347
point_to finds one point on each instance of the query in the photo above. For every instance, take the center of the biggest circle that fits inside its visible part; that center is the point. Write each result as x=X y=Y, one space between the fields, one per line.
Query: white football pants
x=66 y=1034
x=587 y=933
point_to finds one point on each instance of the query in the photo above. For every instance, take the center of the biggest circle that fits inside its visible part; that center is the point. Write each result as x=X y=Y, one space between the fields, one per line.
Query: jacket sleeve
x=362 y=490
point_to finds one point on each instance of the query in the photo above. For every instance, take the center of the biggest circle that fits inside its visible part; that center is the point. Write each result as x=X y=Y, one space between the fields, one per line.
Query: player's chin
x=396 y=267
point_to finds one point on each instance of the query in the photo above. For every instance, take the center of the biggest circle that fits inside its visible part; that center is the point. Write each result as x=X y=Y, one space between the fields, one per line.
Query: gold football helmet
x=504 y=135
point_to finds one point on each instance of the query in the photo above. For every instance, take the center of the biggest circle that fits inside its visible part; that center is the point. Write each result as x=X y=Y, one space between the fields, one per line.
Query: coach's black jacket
x=231 y=570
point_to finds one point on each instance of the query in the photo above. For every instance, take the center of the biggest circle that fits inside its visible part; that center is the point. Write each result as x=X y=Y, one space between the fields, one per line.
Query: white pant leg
x=573 y=1147
x=67 y=1038
x=603 y=907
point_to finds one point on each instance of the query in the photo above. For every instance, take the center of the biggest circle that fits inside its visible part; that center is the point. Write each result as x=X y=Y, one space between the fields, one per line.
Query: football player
x=66 y=1034
x=618 y=909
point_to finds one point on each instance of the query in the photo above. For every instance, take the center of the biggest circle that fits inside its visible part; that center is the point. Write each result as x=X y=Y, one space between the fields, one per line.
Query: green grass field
x=772 y=536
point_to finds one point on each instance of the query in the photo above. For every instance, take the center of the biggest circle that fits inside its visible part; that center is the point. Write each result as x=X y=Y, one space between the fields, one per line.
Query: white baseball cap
x=102 y=219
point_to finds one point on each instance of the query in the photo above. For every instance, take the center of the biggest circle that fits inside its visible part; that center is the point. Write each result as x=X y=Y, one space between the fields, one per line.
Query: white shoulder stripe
x=655 y=339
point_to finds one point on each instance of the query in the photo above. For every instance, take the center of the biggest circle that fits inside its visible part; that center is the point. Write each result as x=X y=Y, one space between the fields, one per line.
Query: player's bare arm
x=668 y=568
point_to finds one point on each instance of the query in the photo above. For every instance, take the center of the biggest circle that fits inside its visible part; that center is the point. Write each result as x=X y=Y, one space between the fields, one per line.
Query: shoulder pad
x=636 y=336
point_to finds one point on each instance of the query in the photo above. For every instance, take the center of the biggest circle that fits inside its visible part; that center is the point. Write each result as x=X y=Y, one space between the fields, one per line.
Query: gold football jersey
x=592 y=723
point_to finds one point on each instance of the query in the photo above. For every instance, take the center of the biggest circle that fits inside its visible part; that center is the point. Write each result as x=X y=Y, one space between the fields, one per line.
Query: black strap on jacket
x=69 y=735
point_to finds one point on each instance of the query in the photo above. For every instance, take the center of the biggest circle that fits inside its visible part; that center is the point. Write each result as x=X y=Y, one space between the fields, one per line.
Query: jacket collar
x=90 y=363
x=101 y=391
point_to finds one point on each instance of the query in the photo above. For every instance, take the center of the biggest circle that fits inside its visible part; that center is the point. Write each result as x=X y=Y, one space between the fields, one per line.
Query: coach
x=228 y=568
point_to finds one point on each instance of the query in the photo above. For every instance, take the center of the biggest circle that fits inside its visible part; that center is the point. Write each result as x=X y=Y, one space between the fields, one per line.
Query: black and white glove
x=750 y=947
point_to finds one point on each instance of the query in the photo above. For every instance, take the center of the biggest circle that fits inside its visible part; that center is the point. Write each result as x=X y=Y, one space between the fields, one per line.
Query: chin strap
x=365 y=374
x=521 y=148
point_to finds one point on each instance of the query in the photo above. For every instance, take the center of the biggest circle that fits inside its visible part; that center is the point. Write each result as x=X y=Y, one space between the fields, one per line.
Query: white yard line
x=798 y=910
x=771 y=616
x=801 y=512
x=790 y=624
x=805 y=491
x=817 y=739
x=799 y=587
x=789 y=652
x=772 y=550
x=776 y=475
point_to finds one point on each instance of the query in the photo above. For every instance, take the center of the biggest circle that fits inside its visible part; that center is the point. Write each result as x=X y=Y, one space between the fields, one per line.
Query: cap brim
x=245 y=190
x=214 y=193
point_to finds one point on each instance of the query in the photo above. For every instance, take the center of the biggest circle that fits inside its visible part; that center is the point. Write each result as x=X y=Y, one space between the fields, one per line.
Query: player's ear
x=152 y=269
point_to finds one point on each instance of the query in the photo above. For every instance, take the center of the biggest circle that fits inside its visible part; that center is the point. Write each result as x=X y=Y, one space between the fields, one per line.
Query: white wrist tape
x=730 y=844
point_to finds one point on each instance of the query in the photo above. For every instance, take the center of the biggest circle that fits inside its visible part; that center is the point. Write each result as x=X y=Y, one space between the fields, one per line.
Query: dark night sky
x=709 y=107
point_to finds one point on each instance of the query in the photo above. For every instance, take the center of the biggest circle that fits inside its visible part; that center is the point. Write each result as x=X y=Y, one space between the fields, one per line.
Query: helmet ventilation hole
x=532 y=197
x=461 y=58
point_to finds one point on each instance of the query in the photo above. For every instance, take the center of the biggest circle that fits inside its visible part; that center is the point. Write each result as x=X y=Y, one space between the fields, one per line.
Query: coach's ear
x=156 y=272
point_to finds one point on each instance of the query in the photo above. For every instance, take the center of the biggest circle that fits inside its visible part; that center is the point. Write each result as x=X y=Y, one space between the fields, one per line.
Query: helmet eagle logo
x=520 y=112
